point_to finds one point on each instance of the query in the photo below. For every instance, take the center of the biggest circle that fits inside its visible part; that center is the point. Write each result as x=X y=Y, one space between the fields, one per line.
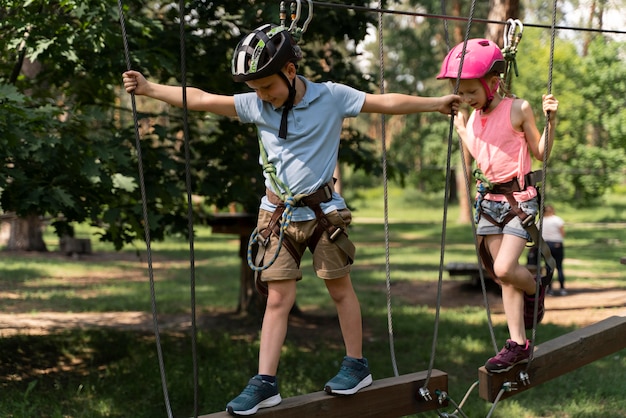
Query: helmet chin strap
x=282 y=133
x=490 y=94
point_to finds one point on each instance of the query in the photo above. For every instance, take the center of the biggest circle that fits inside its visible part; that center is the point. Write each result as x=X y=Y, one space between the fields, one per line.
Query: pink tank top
x=500 y=151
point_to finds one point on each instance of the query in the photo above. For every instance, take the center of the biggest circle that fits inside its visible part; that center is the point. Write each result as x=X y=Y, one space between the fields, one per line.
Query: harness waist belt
x=322 y=195
x=530 y=179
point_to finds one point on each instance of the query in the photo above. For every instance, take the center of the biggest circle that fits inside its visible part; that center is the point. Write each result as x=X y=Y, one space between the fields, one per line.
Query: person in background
x=553 y=233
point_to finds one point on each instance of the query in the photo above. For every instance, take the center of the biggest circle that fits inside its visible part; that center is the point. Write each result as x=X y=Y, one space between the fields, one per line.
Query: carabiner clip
x=295 y=13
x=512 y=37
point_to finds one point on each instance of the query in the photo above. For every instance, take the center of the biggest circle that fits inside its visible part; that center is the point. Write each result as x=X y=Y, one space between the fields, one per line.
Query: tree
x=588 y=153
x=61 y=157
x=81 y=165
x=414 y=49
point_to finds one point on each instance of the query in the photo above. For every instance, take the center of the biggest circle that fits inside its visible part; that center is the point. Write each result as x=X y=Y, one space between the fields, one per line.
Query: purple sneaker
x=529 y=307
x=511 y=355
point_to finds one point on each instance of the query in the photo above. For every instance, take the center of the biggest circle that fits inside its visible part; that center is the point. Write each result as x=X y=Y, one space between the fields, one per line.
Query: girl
x=501 y=134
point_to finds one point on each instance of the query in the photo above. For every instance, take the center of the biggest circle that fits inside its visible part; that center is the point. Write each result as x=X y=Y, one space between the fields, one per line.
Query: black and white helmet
x=264 y=52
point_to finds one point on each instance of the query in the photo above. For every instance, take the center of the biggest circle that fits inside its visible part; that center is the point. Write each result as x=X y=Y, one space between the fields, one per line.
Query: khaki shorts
x=329 y=261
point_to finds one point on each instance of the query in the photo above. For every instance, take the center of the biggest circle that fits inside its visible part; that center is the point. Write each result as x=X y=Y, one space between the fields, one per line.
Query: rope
x=290 y=203
x=446 y=31
x=459 y=18
x=424 y=389
x=476 y=248
x=146 y=225
x=190 y=228
x=543 y=177
x=383 y=135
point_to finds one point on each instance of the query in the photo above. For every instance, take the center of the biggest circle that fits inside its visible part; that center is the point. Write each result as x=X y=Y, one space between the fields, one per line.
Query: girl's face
x=473 y=92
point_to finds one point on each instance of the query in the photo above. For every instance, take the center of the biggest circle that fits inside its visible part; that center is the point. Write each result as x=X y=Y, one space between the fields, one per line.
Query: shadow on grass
x=109 y=373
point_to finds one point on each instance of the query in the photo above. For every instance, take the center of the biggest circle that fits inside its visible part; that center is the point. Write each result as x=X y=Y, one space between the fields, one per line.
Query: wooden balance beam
x=390 y=397
x=557 y=357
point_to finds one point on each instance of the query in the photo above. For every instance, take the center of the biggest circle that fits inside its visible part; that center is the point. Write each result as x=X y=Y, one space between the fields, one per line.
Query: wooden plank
x=390 y=397
x=557 y=357
x=463 y=269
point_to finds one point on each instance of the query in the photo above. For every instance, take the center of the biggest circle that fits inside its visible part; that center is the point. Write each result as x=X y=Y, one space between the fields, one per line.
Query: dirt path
x=583 y=305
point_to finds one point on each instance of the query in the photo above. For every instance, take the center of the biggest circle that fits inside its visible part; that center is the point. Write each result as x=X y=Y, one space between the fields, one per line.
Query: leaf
x=123 y=182
x=10 y=93
x=40 y=47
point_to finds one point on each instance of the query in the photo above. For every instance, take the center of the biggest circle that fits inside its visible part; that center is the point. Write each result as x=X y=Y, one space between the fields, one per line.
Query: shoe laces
x=514 y=348
x=254 y=387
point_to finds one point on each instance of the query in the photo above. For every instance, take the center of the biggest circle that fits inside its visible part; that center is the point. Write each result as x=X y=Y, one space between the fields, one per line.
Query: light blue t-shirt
x=305 y=160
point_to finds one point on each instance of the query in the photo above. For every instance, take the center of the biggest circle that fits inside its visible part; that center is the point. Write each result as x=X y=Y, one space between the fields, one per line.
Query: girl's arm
x=196 y=98
x=402 y=104
x=539 y=144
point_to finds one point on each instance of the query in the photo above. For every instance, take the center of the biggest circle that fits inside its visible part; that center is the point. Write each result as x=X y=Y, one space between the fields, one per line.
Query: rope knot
x=290 y=201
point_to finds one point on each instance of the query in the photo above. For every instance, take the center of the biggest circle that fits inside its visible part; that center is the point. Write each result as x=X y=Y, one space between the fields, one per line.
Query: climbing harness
x=484 y=186
x=285 y=204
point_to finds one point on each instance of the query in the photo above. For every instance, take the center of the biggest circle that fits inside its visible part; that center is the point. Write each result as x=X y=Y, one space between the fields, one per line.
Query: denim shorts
x=498 y=211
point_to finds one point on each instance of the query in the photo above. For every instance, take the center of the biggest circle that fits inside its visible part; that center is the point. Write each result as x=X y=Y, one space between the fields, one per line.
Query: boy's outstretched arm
x=402 y=104
x=197 y=99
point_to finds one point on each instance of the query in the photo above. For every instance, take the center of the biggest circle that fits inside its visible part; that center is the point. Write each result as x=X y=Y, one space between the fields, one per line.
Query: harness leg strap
x=528 y=222
x=485 y=256
x=273 y=227
x=335 y=233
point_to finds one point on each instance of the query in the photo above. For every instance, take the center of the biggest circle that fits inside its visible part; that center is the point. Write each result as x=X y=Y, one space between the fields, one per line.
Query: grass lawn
x=107 y=372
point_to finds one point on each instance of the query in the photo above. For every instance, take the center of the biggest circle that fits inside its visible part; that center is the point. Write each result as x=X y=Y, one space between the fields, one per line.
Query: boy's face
x=273 y=89
x=270 y=89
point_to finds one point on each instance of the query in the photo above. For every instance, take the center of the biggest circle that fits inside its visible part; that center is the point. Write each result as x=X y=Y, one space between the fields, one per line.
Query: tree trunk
x=500 y=10
x=26 y=234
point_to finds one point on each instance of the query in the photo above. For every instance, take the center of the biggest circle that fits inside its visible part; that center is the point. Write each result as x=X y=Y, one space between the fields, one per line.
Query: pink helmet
x=482 y=57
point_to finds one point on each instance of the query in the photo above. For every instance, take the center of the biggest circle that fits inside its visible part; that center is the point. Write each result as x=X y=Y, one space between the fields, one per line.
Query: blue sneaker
x=353 y=376
x=257 y=394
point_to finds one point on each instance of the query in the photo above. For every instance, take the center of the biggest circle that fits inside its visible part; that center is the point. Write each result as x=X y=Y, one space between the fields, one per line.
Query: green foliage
x=68 y=148
x=414 y=48
x=68 y=152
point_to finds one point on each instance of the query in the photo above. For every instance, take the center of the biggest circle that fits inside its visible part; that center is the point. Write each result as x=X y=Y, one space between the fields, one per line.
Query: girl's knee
x=505 y=273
